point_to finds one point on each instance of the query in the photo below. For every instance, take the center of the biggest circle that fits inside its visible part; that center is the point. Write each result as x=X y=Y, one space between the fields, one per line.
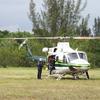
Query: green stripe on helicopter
x=60 y=64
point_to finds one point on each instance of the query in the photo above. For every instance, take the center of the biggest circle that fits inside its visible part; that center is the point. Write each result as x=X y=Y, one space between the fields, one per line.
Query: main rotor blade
x=34 y=38
x=52 y=38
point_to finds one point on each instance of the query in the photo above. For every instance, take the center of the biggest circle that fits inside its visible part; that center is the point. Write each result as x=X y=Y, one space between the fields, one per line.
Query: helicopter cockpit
x=78 y=55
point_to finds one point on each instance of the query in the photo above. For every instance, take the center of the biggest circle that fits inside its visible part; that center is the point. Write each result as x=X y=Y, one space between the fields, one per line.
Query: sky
x=14 y=14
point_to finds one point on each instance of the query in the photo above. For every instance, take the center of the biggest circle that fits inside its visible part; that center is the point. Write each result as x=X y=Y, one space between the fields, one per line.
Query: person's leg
x=39 y=73
x=50 y=69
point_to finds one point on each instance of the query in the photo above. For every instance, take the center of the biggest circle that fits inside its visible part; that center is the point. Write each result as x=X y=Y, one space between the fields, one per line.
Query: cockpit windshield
x=72 y=56
x=82 y=56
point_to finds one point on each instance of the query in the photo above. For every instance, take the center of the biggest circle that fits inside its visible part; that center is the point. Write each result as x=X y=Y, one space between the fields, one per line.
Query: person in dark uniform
x=52 y=63
x=39 y=67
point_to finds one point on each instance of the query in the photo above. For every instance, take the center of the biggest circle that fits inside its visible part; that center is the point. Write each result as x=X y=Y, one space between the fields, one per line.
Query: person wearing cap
x=39 y=67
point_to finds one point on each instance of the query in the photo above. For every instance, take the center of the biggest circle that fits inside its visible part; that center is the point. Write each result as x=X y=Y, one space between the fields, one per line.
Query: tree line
x=10 y=55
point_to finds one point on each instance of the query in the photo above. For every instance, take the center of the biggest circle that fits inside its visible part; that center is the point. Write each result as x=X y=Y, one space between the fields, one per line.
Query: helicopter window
x=82 y=56
x=64 y=59
x=72 y=56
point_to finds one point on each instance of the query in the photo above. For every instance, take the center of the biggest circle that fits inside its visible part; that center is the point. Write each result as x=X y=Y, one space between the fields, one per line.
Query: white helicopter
x=68 y=61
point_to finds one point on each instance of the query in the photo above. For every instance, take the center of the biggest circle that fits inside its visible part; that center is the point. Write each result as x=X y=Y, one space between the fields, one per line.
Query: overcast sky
x=14 y=14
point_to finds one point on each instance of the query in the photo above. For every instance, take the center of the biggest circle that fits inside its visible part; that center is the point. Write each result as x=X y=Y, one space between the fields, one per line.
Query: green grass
x=21 y=84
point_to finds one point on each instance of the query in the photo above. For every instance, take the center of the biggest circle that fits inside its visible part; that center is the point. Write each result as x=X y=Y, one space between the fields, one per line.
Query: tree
x=84 y=30
x=57 y=18
x=4 y=33
x=96 y=27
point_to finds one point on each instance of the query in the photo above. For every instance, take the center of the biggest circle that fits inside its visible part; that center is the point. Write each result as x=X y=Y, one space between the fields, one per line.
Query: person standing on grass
x=51 y=62
x=39 y=67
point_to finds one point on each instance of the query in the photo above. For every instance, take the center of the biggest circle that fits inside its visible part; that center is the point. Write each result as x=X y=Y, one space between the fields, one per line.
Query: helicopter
x=68 y=61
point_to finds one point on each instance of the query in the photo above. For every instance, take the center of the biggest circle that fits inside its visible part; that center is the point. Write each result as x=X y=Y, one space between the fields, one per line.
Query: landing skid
x=59 y=74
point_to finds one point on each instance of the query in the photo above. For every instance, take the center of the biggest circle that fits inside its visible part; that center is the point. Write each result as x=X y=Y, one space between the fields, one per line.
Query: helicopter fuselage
x=66 y=57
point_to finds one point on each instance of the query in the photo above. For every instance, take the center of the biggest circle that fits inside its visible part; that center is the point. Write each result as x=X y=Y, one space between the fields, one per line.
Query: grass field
x=21 y=84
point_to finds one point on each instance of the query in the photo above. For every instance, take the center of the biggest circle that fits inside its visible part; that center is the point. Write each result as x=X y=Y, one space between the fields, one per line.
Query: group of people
x=51 y=65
